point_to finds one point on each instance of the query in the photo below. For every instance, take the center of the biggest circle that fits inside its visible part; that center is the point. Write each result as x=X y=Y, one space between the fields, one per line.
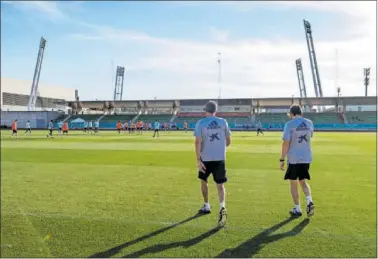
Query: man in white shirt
x=156 y=128
x=60 y=125
x=28 y=128
x=51 y=128
x=90 y=125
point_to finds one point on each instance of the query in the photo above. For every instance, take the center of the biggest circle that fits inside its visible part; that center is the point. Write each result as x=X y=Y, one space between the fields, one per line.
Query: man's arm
x=228 y=134
x=228 y=141
x=197 y=143
x=284 y=149
x=286 y=141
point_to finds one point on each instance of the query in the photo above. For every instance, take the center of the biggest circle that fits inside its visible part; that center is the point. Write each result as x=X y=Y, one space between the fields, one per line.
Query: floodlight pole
x=219 y=76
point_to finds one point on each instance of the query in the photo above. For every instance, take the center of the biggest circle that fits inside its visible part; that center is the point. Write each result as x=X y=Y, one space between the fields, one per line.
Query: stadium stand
x=109 y=121
x=115 y=118
x=324 y=118
x=60 y=118
x=271 y=118
x=363 y=117
x=86 y=117
x=162 y=118
x=236 y=118
x=189 y=117
x=240 y=113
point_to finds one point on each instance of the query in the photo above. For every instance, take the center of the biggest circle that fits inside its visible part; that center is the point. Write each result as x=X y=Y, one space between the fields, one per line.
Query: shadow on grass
x=115 y=250
x=162 y=247
x=252 y=246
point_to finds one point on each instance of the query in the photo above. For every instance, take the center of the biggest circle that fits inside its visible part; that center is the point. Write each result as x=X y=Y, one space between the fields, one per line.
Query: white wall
x=16 y=86
x=361 y=108
x=37 y=119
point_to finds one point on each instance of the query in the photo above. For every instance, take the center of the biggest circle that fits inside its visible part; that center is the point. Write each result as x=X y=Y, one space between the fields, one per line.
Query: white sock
x=298 y=208
x=308 y=199
x=207 y=205
x=223 y=204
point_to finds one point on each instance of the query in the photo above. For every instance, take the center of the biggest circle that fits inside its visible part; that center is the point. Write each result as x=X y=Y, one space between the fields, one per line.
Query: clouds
x=170 y=67
x=219 y=35
x=49 y=9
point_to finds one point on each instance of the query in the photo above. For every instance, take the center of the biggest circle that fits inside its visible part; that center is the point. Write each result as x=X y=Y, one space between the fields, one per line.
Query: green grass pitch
x=122 y=196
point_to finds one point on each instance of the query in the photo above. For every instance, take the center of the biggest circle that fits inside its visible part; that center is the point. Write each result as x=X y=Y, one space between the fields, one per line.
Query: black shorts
x=156 y=130
x=217 y=168
x=96 y=129
x=51 y=131
x=14 y=131
x=298 y=171
x=60 y=129
x=85 y=129
x=65 y=131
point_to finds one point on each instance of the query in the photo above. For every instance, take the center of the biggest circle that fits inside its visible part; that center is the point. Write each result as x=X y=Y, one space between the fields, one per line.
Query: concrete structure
x=15 y=96
x=232 y=105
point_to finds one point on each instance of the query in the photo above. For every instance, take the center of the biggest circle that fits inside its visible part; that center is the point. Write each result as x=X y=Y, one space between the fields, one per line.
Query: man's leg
x=220 y=178
x=295 y=194
x=203 y=176
x=221 y=195
x=205 y=192
x=307 y=191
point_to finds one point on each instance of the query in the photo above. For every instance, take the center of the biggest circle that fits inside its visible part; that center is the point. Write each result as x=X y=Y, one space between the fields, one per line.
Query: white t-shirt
x=28 y=125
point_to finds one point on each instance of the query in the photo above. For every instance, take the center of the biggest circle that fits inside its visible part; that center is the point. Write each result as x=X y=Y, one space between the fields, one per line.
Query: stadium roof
x=255 y=102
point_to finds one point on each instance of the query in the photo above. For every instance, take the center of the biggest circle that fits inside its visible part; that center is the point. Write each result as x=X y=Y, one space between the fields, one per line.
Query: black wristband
x=282 y=160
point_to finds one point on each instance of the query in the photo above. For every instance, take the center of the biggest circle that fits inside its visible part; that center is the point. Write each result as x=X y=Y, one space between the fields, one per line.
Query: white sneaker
x=204 y=209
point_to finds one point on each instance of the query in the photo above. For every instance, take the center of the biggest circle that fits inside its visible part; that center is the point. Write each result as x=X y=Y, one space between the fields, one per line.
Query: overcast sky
x=170 y=49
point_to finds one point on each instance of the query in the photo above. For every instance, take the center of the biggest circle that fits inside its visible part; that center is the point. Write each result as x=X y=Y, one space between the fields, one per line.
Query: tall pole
x=219 y=76
x=37 y=73
x=336 y=68
x=366 y=79
x=112 y=74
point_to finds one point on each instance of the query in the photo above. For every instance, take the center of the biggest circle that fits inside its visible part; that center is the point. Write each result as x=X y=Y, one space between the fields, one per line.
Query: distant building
x=15 y=96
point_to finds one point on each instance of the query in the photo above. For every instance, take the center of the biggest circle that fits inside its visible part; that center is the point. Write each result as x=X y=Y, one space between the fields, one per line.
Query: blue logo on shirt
x=301 y=127
x=213 y=125
x=301 y=138
x=214 y=136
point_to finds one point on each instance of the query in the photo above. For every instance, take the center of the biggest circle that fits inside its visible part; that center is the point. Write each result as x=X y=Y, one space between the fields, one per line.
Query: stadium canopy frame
x=253 y=102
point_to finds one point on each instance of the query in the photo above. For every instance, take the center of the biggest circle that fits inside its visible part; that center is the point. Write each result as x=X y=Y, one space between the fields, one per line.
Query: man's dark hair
x=296 y=109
